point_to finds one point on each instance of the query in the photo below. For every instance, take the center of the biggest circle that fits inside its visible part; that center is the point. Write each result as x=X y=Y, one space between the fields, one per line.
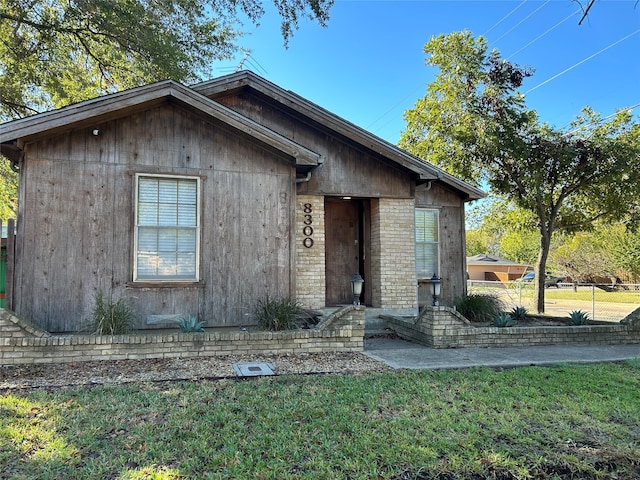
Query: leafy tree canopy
x=474 y=123
x=57 y=52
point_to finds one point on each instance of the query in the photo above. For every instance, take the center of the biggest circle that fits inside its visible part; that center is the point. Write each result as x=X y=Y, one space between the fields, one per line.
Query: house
x=201 y=201
x=485 y=267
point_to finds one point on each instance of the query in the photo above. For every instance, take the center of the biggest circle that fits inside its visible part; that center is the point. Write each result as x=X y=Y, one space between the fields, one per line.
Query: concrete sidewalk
x=402 y=354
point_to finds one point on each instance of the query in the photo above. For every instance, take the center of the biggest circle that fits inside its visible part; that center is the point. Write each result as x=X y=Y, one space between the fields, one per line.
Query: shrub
x=518 y=313
x=111 y=318
x=503 y=320
x=578 y=317
x=277 y=314
x=190 y=325
x=479 y=307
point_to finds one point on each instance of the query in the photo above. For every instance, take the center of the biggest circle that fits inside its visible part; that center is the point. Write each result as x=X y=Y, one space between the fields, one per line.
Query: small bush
x=191 y=325
x=518 y=313
x=111 y=318
x=503 y=320
x=280 y=314
x=479 y=307
x=578 y=317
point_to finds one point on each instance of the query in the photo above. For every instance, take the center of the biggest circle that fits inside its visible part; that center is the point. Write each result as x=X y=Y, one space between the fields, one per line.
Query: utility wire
x=632 y=107
x=545 y=33
x=396 y=105
x=504 y=18
x=581 y=62
x=521 y=21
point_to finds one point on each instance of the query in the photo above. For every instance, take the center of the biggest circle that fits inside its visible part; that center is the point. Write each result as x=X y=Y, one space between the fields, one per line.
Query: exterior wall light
x=435 y=283
x=356 y=287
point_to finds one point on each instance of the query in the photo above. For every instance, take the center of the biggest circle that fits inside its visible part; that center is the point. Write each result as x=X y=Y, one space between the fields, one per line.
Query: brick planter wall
x=442 y=327
x=20 y=343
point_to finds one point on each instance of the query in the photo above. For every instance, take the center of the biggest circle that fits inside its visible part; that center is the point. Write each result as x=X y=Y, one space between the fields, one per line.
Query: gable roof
x=248 y=80
x=119 y=104
x=487 y=259
x=201 y=97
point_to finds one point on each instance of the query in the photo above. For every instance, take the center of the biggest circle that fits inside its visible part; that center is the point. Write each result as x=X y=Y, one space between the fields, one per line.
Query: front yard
x=562 y=422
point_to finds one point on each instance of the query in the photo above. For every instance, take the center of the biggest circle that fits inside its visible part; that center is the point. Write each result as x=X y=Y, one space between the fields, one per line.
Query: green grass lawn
x=569 y=421
x=565 y=293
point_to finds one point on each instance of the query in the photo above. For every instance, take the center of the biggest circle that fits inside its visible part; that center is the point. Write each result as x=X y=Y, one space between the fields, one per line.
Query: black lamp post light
x=435 y=283
x=356 y=287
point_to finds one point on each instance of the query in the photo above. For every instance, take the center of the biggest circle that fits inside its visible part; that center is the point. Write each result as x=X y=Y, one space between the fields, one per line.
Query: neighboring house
x=485 y=267
x=203 y=200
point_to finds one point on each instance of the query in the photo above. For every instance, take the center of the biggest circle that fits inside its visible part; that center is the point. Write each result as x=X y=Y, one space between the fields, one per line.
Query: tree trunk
x=541 y=269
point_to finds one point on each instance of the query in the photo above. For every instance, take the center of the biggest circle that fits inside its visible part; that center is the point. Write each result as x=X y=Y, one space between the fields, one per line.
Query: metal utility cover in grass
x=253 y=369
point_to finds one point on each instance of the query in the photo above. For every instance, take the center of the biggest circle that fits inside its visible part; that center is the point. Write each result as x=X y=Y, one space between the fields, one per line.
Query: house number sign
x=307 y=230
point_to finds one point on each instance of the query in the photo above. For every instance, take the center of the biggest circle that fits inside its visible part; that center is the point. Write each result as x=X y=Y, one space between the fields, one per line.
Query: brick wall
x=343 y=331
x=442 y=327
x=392 y=259
x=310 y=260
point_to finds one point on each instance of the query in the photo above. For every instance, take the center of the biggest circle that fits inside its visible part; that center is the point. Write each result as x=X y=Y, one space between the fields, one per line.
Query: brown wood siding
x=77 y=211
x=348 y=169
x=452 y=239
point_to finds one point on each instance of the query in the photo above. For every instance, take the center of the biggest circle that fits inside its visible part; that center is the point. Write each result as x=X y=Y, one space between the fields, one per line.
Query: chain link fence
x=603 y=302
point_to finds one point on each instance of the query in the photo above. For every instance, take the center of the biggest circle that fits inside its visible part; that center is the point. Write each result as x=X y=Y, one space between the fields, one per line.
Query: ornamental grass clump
x=479 y=307
x=276 y=314
x=111 y=318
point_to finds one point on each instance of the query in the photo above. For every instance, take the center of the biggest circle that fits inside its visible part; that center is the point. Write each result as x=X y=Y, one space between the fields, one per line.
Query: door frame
x=363 y=229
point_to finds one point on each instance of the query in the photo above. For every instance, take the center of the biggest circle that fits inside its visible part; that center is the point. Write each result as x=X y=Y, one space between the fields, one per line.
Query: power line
x=521 y=21
x=545 y=33
x=632 y=107
x=581 y=62
x=389 y=110
x=505 y=17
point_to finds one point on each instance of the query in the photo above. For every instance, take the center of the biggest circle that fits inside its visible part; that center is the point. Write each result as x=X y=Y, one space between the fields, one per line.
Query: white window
x=427 y=244
x=167 y=228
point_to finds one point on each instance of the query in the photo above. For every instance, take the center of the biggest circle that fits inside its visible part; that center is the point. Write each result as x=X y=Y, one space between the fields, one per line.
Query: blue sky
x=368 y=64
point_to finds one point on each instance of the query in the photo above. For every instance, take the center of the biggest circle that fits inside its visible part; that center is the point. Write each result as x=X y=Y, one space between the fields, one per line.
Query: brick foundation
x=342 y=331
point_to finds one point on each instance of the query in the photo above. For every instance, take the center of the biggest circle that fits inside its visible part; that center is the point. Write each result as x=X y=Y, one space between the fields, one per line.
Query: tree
x=474 y=123
x=57 y=52
x=8 y=191
x=585 y=257
x=625 y=250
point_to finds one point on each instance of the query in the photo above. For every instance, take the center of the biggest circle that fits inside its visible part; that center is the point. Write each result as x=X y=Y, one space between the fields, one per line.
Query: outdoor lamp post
x=435 y=283
x=356 y=287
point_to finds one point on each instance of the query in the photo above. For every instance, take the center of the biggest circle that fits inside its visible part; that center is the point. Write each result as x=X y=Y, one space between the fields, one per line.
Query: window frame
x=421 y=274
x=197 y=228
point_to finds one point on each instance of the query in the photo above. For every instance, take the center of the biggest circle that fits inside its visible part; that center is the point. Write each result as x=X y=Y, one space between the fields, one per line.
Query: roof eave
x=112 y=106
x=423 y=170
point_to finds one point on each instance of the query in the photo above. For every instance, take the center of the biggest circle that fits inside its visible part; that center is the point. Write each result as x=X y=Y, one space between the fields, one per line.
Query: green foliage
x=625 y=251
x=191 y=325
x=276 y=314
x=474 y=123
x=111 y=318
x=503 y=320
x=578 y=317
x=519 y=313
x=8 y=191
x=59 y=53
x=479 y=307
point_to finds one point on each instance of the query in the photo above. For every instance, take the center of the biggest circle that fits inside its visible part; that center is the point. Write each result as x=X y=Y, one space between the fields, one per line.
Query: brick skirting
x=21 y=343
x=443 y=327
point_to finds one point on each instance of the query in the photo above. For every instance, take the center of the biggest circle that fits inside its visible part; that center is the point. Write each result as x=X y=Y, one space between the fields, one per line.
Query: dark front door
x=344 y=248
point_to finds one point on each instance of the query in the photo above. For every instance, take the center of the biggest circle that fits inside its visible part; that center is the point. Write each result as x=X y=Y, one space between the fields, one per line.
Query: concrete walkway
x=402 y=354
